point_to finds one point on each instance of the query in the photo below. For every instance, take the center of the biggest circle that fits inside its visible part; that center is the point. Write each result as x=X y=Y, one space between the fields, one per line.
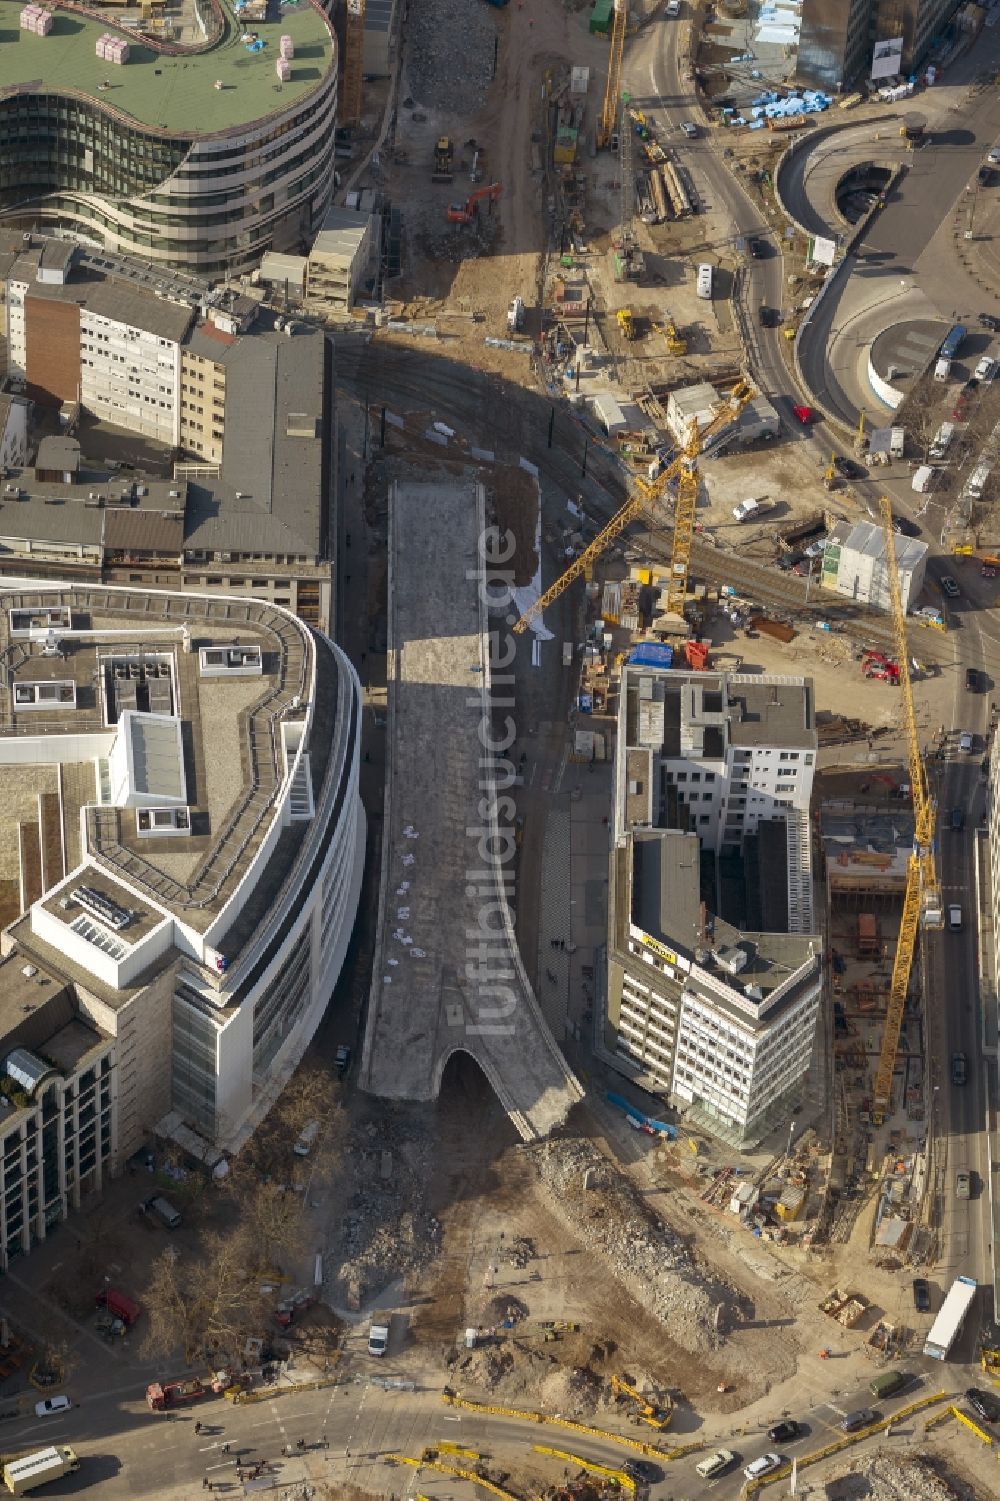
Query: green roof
x=169 y=93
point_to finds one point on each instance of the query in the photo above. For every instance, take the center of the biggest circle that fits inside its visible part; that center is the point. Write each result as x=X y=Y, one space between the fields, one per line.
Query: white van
x=923 y=479
x=305 y=1143
x=673 y=7
x=976 y=483
x=715 y=1464
x=942 y=369
x=704 y=285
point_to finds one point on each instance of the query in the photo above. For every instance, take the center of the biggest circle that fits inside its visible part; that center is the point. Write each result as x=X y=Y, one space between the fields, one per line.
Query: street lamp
x=791 y=1133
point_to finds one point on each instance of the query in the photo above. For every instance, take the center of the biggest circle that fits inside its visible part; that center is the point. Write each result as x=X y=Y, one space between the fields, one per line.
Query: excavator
x=465 y=213
x=656 y=1417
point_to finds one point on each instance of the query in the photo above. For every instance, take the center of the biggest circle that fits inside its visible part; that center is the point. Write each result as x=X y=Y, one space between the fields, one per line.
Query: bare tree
x=206 y=1305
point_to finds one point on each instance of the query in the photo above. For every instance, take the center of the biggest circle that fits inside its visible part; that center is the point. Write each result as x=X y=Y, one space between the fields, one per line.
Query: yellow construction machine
x=646 y=1411
x=626 y=322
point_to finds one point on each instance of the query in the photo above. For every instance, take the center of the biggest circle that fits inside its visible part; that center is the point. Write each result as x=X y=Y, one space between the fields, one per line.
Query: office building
x=837 y=41
x=713 y=973
x=182 y=772
x=200 y=150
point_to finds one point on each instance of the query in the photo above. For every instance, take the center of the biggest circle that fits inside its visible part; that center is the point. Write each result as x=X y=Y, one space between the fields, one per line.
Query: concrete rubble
x=881 y=1476
x=449 y=56
x=696 y=1308
x=384 y=1234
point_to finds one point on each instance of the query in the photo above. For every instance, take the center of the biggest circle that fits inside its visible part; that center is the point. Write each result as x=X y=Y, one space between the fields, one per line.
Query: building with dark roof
x=713 y=975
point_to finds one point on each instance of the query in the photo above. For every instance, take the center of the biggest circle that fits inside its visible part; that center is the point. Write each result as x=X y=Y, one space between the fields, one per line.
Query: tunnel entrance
x=860 y=189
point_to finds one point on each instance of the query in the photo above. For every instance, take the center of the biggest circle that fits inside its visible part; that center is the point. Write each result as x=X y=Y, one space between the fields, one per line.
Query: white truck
x=897 y=442
x=976 y=483
x=23 y=1475
x=923 y=479
x=515 y=316
x=378 y=1339
x=750 y=509
x=961 y=1295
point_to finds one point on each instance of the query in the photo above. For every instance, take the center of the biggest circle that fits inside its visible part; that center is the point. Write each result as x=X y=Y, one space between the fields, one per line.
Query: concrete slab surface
x=447 y=974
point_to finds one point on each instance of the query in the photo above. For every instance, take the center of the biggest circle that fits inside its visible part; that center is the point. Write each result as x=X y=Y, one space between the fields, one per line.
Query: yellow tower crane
x=922 y=902
x=609 y=111
x=684 y=469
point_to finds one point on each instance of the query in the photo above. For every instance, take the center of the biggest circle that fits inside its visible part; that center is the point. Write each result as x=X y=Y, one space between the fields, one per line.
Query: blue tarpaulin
x=652 y=654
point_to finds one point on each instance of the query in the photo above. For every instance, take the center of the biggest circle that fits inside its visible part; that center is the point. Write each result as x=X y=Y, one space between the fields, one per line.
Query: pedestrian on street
x=225 y=1448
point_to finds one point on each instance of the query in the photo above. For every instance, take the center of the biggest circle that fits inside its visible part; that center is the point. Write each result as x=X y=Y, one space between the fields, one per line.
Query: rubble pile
x=383 y=1233
x=600 y=1206
x=518 y=1371
x=884 y=1476
x=435 y=76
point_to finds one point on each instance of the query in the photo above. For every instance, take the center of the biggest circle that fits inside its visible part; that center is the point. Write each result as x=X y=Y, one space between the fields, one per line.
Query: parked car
x=963 y=1185
x=988 y=320
x=848 y=468
x=342 y=1058
x=863 y=1417
x=957 y=819
x=959 y=1069
x=783 y=1433
x=984 y=1403
x=50 y=1405
x=756 y=248
x=989 y=571
x=904 y=527
x=972 y=679
x=764 y=1465
x=642 y=1470
x=715 y=1464
x=966 y=740
x=921 y=1295
x=689 y=129
x=949 y=586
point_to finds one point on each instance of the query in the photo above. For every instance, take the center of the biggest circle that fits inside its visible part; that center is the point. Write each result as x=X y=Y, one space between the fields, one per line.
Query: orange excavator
x=464 y=213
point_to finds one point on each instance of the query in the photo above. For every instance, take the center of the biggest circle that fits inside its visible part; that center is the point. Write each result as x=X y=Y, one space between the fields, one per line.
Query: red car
x=804 y=414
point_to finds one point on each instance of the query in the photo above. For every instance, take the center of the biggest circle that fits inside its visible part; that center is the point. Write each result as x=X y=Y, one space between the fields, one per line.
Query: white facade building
x=713 y=981
x=130 y=376
x=854 y=564
x=203 y=926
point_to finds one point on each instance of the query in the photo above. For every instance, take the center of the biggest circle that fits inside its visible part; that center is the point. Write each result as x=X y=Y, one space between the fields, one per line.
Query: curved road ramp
x=447 y=974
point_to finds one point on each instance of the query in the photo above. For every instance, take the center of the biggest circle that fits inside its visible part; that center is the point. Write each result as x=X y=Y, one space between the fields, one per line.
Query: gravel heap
x=449 y=55
x=884 y=1476
x=695 y=1307
x=384 y=1233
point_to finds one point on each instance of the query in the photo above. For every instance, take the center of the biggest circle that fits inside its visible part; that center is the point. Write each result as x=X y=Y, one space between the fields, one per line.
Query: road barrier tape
x=470 y=1475
x=527 y=1416
x=753 y=1486
x=444 y=1446
x=619 y=1477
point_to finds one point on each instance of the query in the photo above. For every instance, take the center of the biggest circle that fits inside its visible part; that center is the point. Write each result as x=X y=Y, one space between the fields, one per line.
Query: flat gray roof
x=109 y=298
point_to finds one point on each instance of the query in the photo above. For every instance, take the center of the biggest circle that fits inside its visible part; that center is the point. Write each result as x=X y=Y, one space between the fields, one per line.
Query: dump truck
x=161 y=1395
x=23 y=1475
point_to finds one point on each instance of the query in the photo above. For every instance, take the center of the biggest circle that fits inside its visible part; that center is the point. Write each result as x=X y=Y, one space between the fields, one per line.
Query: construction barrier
x=972 y=1425
x=938 y=1418
x=617 y=1477
x=527 y=1416
x=753 y=1486
x=284 y=1391
x=470 y=1475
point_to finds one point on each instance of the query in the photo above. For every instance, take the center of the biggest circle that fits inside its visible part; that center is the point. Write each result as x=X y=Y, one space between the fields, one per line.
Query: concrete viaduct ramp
x=447 y=974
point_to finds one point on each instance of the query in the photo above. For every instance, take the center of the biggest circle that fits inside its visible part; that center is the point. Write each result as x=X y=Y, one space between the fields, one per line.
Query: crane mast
x=609 y=111
x=684 y=469
x=922 y=901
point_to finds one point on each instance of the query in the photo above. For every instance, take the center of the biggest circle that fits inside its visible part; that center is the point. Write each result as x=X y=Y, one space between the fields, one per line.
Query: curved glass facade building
x=202 y=159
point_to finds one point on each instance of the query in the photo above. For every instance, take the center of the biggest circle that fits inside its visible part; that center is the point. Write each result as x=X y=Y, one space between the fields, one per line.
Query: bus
x=948 y=1325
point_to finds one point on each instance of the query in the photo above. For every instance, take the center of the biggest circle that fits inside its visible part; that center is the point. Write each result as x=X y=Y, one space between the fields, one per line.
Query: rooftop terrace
x=176 y=94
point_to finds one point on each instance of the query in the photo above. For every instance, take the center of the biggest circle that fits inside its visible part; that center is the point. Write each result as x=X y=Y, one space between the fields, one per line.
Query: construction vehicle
x=922 y=901
x=648 y=1412
x=23 y=1475
x=609 y=109
x=161 y=1395
x=465 y=213
x=875 y=664
x=675 y=343
x=626 y=322
x=683 y=469
x=515 y=316
x=444 y=159
x=989 y=1359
